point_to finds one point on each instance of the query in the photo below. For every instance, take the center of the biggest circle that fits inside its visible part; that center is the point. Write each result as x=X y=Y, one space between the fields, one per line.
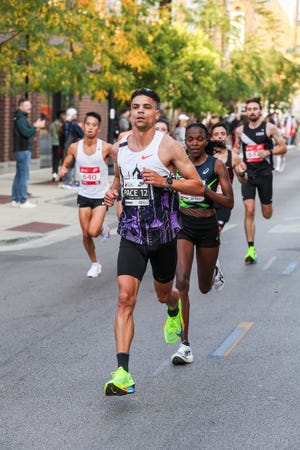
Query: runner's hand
x=62 y=172
x=151 y=177
x=110 y=197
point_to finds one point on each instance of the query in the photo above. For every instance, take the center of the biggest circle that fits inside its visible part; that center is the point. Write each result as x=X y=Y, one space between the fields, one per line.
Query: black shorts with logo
x=86 y=202
x=133 y=259
x=201 y=231
x=264 y=186
x=223 y=215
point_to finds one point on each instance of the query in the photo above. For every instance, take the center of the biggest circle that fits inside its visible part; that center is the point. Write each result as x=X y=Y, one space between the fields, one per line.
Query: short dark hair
x=254 y=100
x=220 y=124
x=165 y=121
x=198 y=125
x=59 y=113
x=148 y=92
x=22 y=100
x=93 y=114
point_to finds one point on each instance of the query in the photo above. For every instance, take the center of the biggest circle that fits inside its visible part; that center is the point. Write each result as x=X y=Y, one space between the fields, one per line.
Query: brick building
x=42 y=144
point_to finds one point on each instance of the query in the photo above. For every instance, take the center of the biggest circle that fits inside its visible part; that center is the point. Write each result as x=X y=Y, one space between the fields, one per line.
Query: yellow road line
x=232 y=340
x=246 y=327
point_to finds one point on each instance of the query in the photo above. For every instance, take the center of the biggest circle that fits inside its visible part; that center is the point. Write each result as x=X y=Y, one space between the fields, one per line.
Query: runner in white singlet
x=91 y=155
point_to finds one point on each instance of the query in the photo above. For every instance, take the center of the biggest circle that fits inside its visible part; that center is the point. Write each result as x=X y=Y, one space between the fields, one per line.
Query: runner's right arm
x=237 y=144
x=71 y=155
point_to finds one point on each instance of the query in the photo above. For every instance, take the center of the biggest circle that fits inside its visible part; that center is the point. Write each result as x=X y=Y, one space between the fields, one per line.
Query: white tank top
x=132 y=163
x=92 y=172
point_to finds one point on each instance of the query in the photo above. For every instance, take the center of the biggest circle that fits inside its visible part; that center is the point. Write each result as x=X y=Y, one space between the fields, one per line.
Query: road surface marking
x=232 y=340
x=161 y=367
x=269 y=263
x=289 y=228
x=291 y=267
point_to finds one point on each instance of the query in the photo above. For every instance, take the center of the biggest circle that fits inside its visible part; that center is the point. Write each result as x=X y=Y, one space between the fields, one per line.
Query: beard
x=254 y=117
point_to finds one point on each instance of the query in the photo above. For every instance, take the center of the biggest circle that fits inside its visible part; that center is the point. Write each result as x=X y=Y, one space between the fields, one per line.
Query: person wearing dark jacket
x=23 y=133
x=71 y=132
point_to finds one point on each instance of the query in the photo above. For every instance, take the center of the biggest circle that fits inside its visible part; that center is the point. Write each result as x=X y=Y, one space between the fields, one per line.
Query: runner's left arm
x=174 y=157
x=112 y=194
x=226 y=198
x=106 y=151
x=273 y=132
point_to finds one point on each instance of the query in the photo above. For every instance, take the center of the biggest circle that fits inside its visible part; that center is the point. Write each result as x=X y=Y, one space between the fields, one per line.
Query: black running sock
x=173 y=312
x=123 y=360
x=251 y=244
x=186 y=343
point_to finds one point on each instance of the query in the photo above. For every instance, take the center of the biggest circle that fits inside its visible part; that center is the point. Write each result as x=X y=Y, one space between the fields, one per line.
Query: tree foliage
x=81 y=47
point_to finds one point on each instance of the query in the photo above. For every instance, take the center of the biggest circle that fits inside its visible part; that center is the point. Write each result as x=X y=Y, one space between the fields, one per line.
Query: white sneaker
x=219 y=280
x=105 y=234
x=65 y=186
x=15 y=204
x=183 y=355
x=27 y=204
x=94 y=271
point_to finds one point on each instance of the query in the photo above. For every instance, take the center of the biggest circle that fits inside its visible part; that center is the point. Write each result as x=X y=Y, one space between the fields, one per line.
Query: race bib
x=90 y=175
x=135 y=192
x=192 y=198
x=251 y=152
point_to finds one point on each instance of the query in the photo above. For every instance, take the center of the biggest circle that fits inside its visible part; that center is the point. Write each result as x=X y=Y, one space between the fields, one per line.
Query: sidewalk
x=54 y=219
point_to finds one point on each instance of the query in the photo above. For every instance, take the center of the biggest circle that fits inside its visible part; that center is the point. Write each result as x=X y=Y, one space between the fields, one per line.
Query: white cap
x=183 y=117
x=70 y=113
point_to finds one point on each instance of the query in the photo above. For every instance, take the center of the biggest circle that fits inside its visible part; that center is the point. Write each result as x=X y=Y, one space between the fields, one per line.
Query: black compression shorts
x=264 y=186
x=201 y=231
x=223 y=215
x=85 y=202
x=133 y=259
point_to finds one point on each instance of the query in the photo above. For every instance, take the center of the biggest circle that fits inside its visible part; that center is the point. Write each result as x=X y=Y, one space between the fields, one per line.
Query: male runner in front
x=145 y=165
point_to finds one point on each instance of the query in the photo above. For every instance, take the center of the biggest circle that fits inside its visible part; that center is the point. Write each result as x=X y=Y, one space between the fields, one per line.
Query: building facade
x=46 y=105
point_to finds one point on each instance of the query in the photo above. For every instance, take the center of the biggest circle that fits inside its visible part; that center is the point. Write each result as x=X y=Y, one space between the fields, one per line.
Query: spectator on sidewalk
x=290 y=129
x=56 y=149
x=123 y=121
x=71 y=132
x=179 y=132
x=23 y=133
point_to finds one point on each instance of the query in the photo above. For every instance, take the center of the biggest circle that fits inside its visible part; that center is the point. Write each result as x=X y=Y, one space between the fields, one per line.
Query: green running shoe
x=173 y=327
x=251 y=256
x=121 y=383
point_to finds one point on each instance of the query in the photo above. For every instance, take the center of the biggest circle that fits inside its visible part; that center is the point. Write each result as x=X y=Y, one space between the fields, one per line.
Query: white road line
x=161 y=367
x=269 y=263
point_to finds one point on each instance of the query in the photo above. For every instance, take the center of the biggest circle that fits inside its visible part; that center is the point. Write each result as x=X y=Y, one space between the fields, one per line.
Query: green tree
x=76 y=47
x=65 y=46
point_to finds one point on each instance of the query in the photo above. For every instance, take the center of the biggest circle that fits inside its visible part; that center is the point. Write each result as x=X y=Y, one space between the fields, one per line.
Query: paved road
x=57 y=348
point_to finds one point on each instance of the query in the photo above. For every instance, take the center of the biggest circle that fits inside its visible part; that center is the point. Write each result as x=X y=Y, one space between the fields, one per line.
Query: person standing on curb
x=23 y=133
x=56 y=149
x=71 y=132
x=91 y=156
